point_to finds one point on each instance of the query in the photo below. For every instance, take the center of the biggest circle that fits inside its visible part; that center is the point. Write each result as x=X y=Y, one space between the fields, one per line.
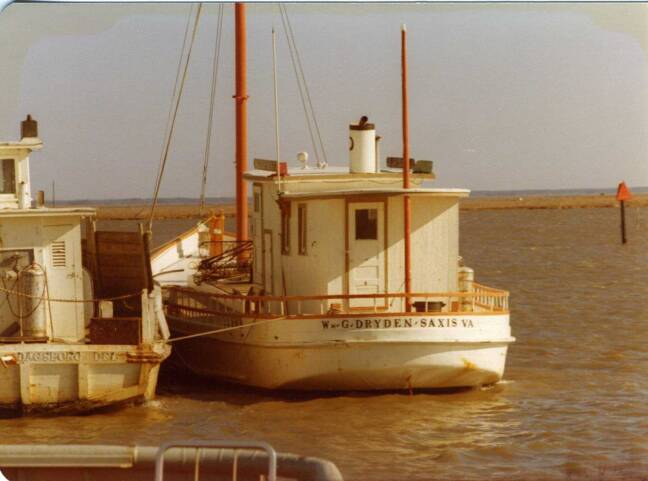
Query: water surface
x=574 y=404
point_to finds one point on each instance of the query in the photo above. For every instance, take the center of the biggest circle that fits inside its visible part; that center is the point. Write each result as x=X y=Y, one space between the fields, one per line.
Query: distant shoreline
x=550 y=202
x=140 y=211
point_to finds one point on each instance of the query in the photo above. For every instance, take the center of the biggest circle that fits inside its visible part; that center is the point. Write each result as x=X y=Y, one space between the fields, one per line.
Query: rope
x=284 y=10
x=299 y=84
x=173 y=96
x=47 y=298
x=167 y=145
x=219 y=31
x=225 y=329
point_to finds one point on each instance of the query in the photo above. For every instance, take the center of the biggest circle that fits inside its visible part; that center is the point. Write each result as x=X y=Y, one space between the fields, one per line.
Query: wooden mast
x=241 y=124
x=407 y=212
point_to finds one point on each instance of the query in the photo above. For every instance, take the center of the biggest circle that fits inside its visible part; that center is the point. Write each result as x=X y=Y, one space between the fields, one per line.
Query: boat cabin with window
x=74 y=334
x=339 y=231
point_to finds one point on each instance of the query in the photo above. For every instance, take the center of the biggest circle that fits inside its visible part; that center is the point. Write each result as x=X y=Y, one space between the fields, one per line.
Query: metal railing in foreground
x=189 y=303
x=271 y=474
x=192 y=460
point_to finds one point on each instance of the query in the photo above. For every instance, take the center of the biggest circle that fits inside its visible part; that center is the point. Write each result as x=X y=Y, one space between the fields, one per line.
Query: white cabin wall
x=435 y=239
x=271 y=220
x=321 y=270
x=67 y=283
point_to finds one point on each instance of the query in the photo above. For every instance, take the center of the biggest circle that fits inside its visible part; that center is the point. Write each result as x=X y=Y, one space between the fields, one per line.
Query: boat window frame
x=366 y=228
x=6 y=161
x=257 y=201
x=285 y=228
x=302 y=226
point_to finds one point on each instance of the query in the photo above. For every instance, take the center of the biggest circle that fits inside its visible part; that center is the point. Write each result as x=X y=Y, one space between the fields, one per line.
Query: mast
x=407 y=212
x=241 y=123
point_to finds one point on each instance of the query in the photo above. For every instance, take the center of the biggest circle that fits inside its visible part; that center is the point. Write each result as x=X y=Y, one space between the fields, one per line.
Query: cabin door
x=267 y=261
x=366 y=253
x=62 y=281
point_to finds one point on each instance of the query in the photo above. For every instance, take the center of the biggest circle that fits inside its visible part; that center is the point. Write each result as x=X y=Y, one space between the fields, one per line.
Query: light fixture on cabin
x=302 y=158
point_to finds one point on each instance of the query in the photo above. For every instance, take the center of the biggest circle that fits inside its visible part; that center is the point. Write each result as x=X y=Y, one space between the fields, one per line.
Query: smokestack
x=28 y=128
x=362 y=150
x=40 y=199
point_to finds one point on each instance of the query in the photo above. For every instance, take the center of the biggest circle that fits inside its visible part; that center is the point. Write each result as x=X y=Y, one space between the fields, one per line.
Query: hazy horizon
x=503 y=97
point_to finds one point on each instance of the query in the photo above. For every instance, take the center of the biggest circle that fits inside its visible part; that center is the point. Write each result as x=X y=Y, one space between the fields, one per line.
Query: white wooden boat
x=352 y=279
x=60 y=351
x=324 y=308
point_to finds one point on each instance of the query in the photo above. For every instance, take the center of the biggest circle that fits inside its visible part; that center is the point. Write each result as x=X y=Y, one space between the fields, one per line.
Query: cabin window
x=285 y=229
x=8 y=176
x=301 y=229
x=366 y=224
x=15 y=260
x=257 y=202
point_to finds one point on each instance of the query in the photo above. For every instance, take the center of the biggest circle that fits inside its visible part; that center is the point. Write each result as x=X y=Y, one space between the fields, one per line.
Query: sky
x=502 y=96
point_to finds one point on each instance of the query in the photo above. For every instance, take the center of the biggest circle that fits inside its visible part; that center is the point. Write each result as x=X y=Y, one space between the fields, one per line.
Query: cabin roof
x=49 y=212
x=389 y=191
x=329 y=172
x=31 y=143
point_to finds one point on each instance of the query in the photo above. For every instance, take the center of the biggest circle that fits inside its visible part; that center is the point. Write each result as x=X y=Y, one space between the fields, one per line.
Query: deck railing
x=193 y=304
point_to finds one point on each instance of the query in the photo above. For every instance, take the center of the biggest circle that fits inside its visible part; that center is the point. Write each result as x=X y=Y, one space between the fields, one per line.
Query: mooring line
x=224 y=329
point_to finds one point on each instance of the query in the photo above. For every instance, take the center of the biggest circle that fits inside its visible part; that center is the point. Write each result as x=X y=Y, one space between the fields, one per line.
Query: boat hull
x=68 y=379
x=349 y=358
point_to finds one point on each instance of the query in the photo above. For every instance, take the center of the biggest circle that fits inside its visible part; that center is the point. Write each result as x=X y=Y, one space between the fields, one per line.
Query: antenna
x=276 y=106
x=407 y=212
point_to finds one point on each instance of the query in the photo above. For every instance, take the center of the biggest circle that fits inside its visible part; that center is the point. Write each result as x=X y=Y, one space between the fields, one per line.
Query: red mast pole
x=241 y=124
x=407 y=211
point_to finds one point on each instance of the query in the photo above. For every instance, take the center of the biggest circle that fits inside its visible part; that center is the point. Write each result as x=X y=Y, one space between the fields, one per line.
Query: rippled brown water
x=574 y=404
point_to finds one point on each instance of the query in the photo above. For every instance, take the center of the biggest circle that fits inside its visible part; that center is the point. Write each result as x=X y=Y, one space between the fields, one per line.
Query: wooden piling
x=623 y=194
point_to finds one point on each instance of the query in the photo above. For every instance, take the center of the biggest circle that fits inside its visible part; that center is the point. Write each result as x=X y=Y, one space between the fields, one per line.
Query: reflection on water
x=573 y=406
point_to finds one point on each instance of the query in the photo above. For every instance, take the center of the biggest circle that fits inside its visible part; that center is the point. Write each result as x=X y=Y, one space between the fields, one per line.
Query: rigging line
x=173 y=118
x=173 y=95
x=276 y=106
x=308 y=97
x=301 y=93
x=210 y=120
x=175 y=88
x=226 y=329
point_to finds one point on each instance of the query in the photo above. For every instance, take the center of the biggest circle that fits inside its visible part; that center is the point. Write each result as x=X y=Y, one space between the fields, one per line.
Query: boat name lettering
x=106 y=356
x=397 y=323
x=51 y=356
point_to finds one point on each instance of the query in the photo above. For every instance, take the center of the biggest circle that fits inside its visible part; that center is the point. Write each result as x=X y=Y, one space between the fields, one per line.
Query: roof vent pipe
x=28 y=128
x=362 y=147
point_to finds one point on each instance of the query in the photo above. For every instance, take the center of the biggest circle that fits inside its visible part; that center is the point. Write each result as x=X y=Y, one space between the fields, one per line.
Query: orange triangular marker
x=623 y=193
